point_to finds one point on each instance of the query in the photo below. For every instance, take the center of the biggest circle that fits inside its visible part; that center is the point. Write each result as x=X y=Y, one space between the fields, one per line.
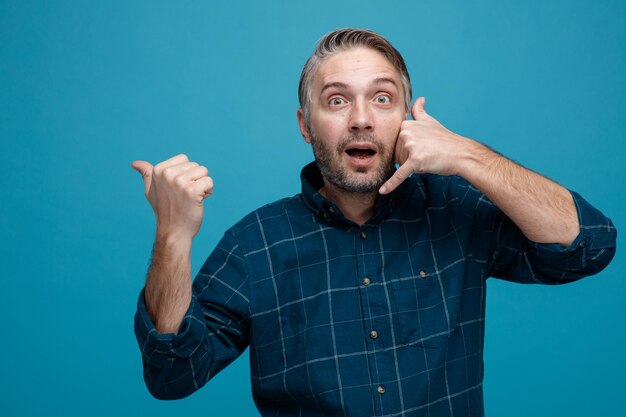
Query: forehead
x=353 y=66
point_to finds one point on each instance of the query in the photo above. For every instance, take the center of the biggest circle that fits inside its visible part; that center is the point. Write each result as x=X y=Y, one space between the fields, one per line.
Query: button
x=331 y=209
x=363 y=235
x=373 y=334
x=423 y=274
x=366 y=281
x=381 y=389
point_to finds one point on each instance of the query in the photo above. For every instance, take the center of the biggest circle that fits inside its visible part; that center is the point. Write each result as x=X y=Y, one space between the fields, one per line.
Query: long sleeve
x=213 y=333
x=515 y=258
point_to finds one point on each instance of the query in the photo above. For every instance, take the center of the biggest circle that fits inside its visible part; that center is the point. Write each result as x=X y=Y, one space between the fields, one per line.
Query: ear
x=302 y=124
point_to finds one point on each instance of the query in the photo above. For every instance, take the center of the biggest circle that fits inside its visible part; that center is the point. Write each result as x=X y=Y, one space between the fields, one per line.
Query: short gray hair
x=341 y=40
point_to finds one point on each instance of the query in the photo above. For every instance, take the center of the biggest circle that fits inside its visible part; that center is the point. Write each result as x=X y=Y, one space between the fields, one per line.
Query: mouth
x=361 y=154
x=361 y=151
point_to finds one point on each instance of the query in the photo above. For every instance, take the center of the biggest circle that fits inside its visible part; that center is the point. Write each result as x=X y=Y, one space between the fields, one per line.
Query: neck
x=357 y=207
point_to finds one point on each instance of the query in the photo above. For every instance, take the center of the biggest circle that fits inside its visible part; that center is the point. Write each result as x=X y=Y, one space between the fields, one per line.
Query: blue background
x=86 y=87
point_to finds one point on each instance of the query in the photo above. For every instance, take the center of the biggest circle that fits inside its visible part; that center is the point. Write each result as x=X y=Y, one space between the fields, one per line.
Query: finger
x=145 y=169
x=180 y=169
x=195 y=173
x=204 y=187
x=175 y=160
x=396 y=179
x=418 y=107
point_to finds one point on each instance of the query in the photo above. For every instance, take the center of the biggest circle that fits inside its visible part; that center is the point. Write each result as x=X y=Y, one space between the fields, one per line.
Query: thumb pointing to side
x=145 y=169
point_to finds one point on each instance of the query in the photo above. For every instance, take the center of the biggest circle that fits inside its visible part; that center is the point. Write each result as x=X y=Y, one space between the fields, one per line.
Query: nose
x=361 y=117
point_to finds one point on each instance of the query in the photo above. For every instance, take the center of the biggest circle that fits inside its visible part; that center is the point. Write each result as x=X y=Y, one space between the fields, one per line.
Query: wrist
x=473 y=159
x=173 y=239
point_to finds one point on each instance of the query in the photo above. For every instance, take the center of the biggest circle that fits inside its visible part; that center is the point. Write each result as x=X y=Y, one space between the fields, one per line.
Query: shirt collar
x=312 y=181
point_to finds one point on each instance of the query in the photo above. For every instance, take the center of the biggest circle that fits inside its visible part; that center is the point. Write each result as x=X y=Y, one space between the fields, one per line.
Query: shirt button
x=381 y=389
x=331 y=209
x=363 y=235
x=423 y=274
x=373 y=334
x=366 y=281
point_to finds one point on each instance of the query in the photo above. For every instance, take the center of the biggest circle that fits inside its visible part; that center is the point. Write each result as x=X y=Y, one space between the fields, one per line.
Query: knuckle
x=167 y=172
x=181 y=181
x=188 y=188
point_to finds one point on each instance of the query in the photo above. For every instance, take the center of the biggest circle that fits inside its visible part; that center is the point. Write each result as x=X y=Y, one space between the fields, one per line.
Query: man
x=365 y=294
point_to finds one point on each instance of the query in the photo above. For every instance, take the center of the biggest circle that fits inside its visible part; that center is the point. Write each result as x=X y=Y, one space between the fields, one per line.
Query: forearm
x=543 y=210
x=168 y=286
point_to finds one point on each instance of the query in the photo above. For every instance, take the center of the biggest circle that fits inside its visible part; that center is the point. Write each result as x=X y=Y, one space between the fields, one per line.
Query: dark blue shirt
x=385 y=319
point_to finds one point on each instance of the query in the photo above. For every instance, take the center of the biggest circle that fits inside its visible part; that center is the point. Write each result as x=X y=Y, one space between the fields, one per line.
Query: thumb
x=145 y=169
x=418 y=107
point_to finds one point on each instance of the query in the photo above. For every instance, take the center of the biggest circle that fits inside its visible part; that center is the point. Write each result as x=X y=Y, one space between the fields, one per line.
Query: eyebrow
x=335 y=84
x=380 y=80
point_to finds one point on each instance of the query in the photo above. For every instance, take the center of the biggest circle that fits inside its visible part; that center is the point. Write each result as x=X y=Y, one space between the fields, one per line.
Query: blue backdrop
x=86 y=87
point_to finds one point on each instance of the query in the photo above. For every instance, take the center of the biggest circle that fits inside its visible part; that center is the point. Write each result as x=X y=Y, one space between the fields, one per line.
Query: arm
x=168 y=285
x=537 y=231
x=214 y=330
x=175 y=189
x=543 y=210
x=186 y=333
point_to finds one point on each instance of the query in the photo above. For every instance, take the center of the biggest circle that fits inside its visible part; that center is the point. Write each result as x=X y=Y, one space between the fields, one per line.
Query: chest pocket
x=420 y=312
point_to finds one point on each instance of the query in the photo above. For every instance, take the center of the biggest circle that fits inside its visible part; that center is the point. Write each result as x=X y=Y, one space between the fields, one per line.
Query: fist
x=424 y=145
x=176 y=190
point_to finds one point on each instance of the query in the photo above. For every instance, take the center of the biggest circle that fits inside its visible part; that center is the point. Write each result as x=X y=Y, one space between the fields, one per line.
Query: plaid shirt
x=385 y=319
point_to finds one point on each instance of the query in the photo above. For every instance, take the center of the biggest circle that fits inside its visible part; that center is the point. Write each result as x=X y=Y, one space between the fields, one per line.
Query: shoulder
x=453 y=192
x=439 y=188
x=271 y=221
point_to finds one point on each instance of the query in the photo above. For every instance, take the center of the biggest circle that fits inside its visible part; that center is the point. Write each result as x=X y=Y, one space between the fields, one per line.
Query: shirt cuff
x=596 y=239
x=180 y=345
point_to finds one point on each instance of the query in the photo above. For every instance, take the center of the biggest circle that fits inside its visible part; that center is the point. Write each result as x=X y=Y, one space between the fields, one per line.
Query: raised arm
x=175 y=189
x=542 y=209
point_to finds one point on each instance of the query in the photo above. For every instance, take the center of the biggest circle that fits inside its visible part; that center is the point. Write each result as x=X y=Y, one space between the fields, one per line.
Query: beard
x=329 y=162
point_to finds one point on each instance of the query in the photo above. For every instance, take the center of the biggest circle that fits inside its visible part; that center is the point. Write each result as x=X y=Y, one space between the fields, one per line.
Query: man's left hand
x=424 y=145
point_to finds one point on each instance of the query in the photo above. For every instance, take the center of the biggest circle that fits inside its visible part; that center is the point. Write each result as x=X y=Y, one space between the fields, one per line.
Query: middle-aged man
x=364 y=295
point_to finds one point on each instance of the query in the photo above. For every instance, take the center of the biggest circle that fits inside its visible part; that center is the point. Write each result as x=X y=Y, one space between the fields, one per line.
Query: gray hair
x=341 y=40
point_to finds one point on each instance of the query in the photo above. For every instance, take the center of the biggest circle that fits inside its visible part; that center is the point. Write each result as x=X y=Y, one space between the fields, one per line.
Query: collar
x=312 y=181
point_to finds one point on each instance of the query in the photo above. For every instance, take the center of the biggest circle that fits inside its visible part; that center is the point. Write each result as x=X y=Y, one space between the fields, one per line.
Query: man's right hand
x=176 y=189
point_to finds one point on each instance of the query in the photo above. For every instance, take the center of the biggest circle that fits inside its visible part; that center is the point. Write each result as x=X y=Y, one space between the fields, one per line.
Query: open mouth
x=360 y=152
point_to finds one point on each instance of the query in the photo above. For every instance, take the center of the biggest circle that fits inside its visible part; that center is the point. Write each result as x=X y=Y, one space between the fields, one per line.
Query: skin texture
x=176 y=189
x=357 y=100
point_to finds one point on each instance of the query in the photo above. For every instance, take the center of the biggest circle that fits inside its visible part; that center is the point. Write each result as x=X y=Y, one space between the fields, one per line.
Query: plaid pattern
x=386 y=319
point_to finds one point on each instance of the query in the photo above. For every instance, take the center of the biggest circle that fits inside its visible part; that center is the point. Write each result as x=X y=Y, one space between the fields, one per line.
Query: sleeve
x=515 y=258
x=213 y=333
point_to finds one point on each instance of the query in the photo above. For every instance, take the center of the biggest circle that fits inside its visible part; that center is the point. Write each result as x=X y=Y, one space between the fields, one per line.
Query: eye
x=336 y=101
x=383 y=99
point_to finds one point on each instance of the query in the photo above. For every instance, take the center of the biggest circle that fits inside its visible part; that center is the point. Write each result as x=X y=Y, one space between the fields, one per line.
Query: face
x=356 y=109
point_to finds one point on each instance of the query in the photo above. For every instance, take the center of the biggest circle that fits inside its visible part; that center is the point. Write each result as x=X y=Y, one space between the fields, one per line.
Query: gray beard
x=328 y=161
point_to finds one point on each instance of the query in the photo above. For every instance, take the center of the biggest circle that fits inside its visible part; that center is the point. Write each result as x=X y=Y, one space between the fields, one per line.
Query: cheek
x=391 y=129
x=330 y=128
